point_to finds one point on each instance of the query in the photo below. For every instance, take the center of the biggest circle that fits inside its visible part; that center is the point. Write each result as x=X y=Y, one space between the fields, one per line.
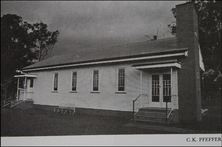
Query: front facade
x=110 y=86
x=154 y=73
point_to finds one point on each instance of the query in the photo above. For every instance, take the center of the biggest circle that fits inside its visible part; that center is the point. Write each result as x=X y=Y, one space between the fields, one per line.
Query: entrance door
x=161 y=90
x=29 y=92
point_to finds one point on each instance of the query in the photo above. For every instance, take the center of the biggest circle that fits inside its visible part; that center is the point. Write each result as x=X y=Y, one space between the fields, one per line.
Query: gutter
x=184 y=53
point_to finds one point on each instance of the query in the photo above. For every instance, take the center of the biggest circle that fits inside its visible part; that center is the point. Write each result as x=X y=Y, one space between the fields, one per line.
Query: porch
x=158 y=100
x=25 y=86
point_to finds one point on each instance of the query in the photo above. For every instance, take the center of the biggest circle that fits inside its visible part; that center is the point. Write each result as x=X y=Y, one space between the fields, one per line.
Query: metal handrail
x=135 y=101
x=7 y=101
x=168 y=114
x=15 y=102
x=166 y=109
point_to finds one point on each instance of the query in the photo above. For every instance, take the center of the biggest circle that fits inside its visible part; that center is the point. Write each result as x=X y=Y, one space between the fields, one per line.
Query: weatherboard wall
x=106 y=98
x=136 y=82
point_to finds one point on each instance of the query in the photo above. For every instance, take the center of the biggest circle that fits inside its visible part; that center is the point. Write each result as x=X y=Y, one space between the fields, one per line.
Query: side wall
x=107 y=98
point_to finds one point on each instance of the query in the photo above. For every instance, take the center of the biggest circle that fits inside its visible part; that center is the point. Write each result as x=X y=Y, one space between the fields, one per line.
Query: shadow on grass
x=211 y=122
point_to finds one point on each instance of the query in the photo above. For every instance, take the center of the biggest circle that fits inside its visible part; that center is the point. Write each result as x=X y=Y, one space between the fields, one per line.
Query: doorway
x=160 y=89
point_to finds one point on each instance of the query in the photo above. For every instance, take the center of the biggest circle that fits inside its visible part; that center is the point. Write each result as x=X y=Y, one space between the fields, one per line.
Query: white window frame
x=117 y=81
x=53 y=82
x=71 y=90
x=92 y=90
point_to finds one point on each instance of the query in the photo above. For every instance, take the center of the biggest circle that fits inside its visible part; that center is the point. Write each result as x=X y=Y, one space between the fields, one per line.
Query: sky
x=85 y=25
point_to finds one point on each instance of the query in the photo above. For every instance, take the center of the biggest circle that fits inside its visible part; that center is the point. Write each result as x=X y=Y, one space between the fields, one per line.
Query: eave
x=173 y=53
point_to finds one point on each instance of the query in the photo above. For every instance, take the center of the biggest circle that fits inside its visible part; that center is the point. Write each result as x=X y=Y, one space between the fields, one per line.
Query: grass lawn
x=32 y=122
x=211 y=122
x=37 y=122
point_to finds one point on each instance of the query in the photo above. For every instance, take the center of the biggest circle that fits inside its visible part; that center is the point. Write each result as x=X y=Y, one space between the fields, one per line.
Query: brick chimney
x=189 y=92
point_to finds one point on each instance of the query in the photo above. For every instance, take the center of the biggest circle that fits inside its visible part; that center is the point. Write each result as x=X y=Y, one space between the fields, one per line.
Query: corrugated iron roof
x=112 y=52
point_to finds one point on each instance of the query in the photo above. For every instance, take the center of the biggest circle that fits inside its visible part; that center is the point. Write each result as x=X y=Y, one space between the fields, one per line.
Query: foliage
x=22 y=44
x=209 y=23
x=44 y=40
x=209 y=19
x=15 y=46
x=210 y=33
x=15 y=43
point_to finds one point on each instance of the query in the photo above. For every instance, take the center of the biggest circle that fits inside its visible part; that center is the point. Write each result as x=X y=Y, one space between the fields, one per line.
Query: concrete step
x=157 y=119
x=157 y=115
x=153 y=109
x=150 y=121
x=151 y=114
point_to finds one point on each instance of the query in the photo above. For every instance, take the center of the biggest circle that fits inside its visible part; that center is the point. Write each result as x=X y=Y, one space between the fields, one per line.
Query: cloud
x=88 y=24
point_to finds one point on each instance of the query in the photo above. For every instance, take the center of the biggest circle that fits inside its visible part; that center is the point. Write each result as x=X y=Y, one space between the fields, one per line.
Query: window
x=166 y=88
x=55 y=87
x=155 y=88
x=121 y=80
x=95 y=80
x=31 y=83
x=74 y=81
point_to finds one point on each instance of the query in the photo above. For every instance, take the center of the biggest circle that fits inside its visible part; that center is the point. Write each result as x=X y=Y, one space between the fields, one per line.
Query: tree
x=15 y=48
x=209 y=21
x=22 y=44
x=209 y=13
x=44 y=40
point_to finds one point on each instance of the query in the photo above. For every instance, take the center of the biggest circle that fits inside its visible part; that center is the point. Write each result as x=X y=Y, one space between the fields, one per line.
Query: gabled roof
x=138 y=49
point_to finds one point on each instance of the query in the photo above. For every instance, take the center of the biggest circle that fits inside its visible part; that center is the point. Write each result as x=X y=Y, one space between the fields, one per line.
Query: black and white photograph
x=111 y=73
